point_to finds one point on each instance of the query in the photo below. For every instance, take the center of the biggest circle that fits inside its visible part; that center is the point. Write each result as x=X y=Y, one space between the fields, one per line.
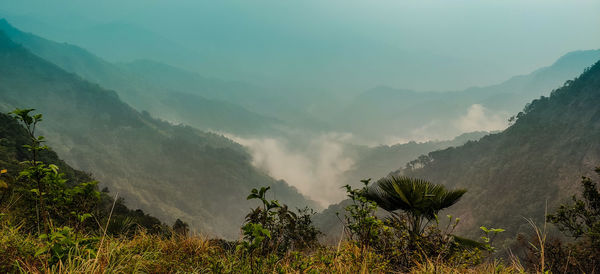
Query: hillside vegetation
x=377 y=162
x=532 y=165
x=169 y=171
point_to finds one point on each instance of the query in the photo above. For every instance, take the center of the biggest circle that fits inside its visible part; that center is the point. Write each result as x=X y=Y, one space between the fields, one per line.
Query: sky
x=339 y=46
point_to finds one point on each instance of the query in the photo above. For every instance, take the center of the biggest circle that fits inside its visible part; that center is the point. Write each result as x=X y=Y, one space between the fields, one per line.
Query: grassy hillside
x=170 y=171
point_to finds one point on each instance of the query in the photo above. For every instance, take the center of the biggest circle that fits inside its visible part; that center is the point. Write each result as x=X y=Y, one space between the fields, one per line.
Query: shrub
x=272 y=227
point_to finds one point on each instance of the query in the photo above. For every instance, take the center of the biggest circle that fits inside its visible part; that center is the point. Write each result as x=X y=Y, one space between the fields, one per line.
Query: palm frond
x=412 y=195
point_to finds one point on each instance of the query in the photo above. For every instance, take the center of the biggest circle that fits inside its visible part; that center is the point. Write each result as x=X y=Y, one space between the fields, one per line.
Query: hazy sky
x=342 y=44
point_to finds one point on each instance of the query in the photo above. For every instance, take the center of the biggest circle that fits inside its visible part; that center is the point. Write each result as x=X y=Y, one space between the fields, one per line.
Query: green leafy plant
x=56 y=201
x=254 y=236
x=62 y=241
x=37 y=172
x=419 y=199
x=489 y=234
x=411 y=232
x=581 y=218
x=361 y=223
x=286 y=229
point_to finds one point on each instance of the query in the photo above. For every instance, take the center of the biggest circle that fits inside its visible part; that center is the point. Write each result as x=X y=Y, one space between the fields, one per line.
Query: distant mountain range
x=377 y=115
x=170 y=171
x=178 y=95
x=410 y=114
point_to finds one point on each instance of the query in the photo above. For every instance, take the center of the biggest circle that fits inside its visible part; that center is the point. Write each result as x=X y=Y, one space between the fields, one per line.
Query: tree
x=582 y=217
x=37 y=172
x=419 y=199
x=181 y=228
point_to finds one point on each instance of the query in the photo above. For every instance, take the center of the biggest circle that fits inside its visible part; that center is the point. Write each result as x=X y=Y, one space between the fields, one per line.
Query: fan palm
x=419 y=199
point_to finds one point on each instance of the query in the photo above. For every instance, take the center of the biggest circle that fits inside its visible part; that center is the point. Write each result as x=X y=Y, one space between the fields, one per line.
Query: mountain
x=178 y=95
x=263 y=103
x=136 y=43
x=377 y=162
x=537 y=161
x=410 y=114
x=170 y=171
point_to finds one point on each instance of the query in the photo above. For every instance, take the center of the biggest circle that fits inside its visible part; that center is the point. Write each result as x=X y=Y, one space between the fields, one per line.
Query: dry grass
x=144 y=253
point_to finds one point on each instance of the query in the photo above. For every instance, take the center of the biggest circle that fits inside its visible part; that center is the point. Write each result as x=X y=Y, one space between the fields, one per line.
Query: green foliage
x=57 y=202
x=489 y=236
x=132 y=152
x=62 y=241
x=254 y=236
x=581 y=218
x=534 y=158
x=275 y=228
x=181 y=228
x=361 y=223
x=63 y=210
x=419 y=199
x=395 y=236
x=14 y=245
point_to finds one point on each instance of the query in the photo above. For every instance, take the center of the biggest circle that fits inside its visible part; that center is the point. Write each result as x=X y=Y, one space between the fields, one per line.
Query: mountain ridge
x=150 y=92
x=426 y=113
x=170 y=171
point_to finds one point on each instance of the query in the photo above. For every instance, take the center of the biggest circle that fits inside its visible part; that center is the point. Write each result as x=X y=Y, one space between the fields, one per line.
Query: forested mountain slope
x=175 y=94
x=170 y=171
x=379 y=161
x=13 y=138
x=537 y=160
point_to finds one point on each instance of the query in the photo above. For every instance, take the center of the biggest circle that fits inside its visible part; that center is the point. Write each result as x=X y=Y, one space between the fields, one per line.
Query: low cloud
x=479 y=118
x=475 y=118
x=314 y=168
